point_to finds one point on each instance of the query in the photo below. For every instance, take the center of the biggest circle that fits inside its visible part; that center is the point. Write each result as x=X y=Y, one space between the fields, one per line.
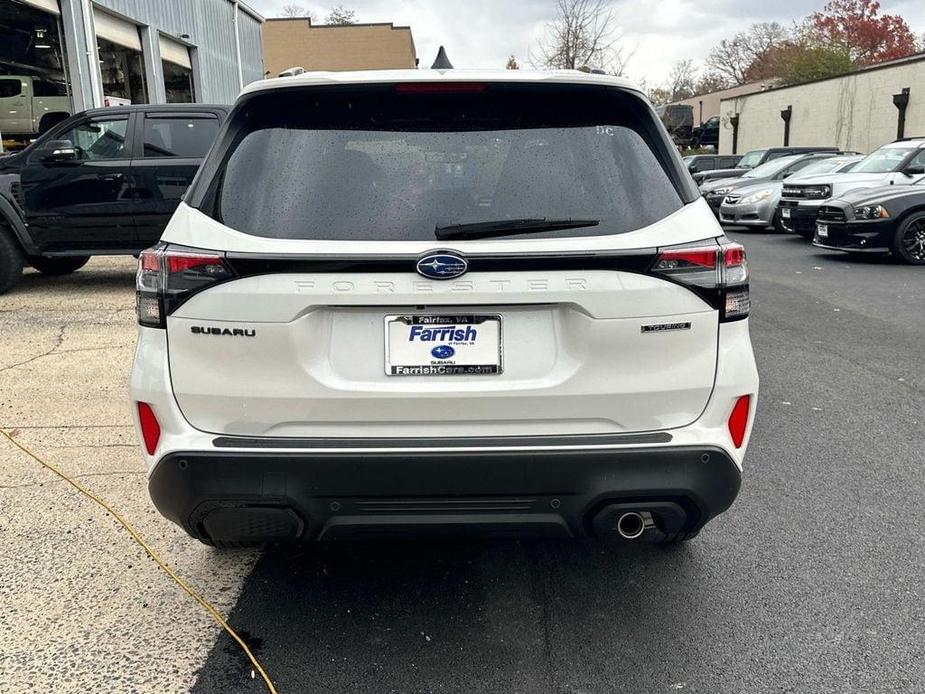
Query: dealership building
x=859 y=111
x=64 y=56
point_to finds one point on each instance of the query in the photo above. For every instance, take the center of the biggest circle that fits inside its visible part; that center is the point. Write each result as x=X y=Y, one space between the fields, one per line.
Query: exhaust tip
x=631 y=525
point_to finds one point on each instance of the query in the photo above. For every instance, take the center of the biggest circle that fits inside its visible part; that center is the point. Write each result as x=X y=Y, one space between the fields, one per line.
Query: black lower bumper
x=801 y=220
x=226 y=496
x=861 y=237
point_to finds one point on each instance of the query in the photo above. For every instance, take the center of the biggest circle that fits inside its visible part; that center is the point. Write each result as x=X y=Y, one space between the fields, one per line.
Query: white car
x=443 y=301
x=897 y=163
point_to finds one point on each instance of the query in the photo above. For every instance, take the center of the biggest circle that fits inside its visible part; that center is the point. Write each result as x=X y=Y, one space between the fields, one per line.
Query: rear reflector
x=738 y=420
x=150 y=429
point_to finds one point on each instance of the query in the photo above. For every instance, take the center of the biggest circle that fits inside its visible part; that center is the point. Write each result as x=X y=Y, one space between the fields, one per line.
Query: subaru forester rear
x=443 y=301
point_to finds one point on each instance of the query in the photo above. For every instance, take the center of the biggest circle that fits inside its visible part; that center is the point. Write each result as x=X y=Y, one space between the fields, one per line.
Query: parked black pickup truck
x=102 y=182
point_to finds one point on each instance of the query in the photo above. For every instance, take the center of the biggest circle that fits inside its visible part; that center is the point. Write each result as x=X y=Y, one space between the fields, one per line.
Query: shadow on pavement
x=84 y=280
x=461 y=617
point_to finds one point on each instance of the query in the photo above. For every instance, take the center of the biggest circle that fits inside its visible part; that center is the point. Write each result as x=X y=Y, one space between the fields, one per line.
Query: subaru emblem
x=443 y=265
x=442 y=352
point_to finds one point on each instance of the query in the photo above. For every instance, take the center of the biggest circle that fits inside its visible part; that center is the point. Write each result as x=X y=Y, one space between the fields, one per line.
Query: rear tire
x=909 y=241
x=11 y=260
x=59 y=266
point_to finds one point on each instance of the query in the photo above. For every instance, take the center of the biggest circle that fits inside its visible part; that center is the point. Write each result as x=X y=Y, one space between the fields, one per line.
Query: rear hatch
x=424 y=259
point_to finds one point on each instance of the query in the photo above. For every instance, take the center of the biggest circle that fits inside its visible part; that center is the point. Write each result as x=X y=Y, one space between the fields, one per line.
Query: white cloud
x=483 y=33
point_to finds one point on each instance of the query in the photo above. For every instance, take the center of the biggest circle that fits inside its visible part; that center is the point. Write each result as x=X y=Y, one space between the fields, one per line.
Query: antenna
x=441 y=62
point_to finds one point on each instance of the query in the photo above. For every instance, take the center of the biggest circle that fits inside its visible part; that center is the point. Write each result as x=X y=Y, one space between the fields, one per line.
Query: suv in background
x=898 y=163
x=30 y=105
x=708 y=162
x=103 y=182
x=754 y=158
x=678 y=120
x=419 y=301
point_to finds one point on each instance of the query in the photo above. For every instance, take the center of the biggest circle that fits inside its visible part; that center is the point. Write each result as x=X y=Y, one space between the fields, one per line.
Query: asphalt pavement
x=814 y=580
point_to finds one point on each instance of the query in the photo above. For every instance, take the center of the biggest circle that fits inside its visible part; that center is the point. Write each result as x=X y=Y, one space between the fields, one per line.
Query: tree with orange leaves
x=857 y=28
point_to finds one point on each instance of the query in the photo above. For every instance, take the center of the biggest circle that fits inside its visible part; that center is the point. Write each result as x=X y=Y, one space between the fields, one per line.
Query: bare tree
x=681 y=80
x=341 y=16
x=294 y=11
x=583 y=33
x=741 y=58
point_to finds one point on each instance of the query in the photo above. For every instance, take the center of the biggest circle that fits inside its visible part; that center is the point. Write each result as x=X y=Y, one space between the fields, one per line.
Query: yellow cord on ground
x=151 y=553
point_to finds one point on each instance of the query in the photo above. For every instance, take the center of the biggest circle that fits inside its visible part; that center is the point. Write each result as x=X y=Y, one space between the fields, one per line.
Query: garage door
x=117 y=30
x=47 y=5
x=175 y=52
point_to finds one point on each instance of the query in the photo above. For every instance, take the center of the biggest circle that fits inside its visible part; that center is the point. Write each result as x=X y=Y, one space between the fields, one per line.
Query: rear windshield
x=396 y=161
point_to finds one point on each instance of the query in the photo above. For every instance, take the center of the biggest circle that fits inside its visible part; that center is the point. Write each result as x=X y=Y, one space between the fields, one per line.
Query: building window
x=178 y=83
x=123 y=72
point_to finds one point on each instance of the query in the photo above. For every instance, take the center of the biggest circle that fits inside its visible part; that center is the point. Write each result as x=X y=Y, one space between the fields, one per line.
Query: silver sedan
x=756 y=205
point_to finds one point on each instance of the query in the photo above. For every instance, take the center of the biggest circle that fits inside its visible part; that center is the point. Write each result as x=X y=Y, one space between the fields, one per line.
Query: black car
x=707 y=133
x=875 y=220
x=102 y=182
x=709 y=162
x=757 y=157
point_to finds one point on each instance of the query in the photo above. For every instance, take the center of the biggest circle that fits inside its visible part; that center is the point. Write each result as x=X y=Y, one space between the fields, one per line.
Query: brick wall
x=297 y=43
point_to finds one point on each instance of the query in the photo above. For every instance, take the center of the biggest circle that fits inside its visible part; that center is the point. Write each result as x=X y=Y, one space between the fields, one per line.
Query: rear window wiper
x=509 y=227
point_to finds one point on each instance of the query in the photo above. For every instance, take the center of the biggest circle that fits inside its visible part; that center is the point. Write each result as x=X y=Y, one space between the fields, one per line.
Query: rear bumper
x=261 y=496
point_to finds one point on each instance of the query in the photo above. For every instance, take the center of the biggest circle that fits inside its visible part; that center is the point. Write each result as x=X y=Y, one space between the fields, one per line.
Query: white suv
x=414 y=301
x=897 y=163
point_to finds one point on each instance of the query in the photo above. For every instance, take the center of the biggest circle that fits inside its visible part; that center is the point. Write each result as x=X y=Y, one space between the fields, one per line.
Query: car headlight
x=818 y=192
x=871 y=212
x=720 y=191
x=755 y=197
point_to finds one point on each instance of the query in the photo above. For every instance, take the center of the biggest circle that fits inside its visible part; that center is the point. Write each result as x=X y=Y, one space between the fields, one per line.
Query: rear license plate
x=822 y=231
x=444 y=345
x=785 y=212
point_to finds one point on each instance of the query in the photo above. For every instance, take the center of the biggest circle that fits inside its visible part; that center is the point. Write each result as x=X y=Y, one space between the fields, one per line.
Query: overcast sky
x=483 y=33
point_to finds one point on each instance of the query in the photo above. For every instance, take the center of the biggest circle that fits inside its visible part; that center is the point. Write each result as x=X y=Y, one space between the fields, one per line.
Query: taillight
x=168 y=276
x=718 y=273
x=738 y=420
x=150 y=428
